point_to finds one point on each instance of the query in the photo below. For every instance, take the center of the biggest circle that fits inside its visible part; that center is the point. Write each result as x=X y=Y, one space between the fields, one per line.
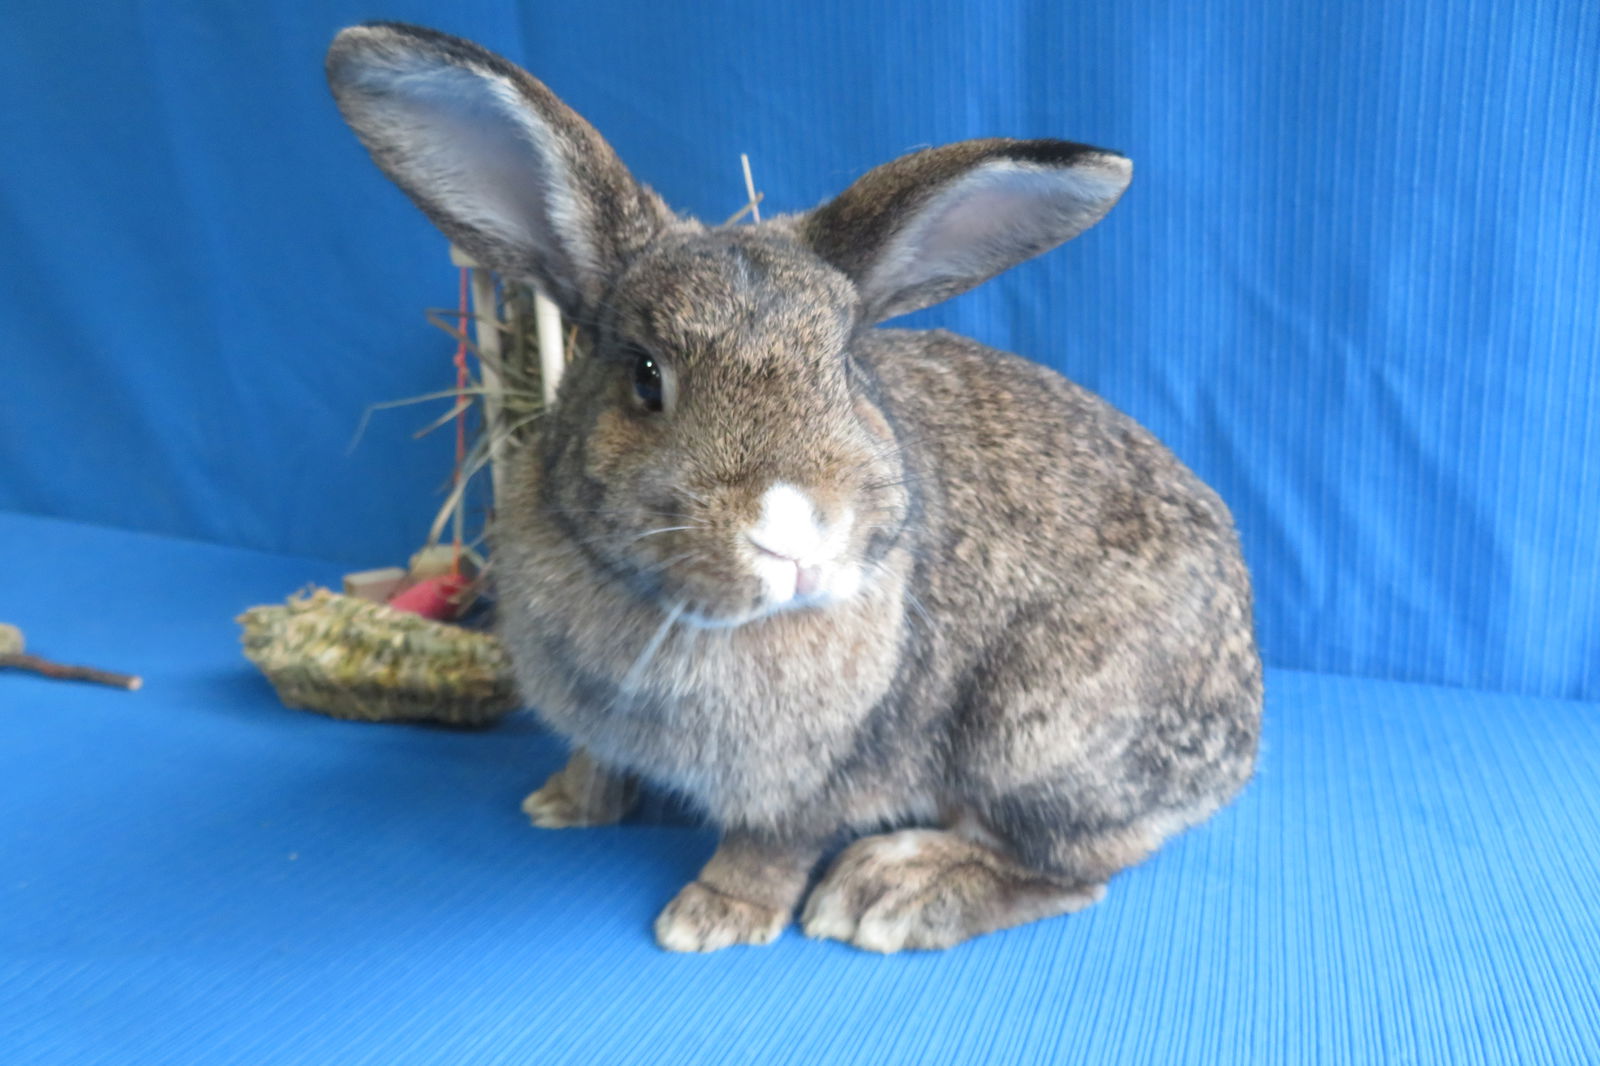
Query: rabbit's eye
x=647 y=381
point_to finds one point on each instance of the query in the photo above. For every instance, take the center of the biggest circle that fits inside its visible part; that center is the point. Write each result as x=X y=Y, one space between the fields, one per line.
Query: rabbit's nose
x=788 y=526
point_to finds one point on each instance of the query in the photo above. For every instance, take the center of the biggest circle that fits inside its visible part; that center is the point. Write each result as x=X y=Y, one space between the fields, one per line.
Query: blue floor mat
x=194 y=874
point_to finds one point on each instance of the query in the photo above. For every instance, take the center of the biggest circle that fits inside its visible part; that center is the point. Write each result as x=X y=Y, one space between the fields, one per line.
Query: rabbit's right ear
x=509 y=172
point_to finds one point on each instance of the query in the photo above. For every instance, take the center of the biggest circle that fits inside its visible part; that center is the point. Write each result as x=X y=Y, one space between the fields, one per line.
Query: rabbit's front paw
x=580 y=794
x=552 y=807
x=703 y=919
x=929 y=889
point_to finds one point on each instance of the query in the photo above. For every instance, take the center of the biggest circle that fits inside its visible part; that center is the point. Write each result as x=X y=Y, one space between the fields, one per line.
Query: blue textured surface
x=1356 y=283
x=193 y=874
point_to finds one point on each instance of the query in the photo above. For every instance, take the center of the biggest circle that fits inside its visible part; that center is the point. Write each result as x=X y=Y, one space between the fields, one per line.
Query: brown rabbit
x=821 y=578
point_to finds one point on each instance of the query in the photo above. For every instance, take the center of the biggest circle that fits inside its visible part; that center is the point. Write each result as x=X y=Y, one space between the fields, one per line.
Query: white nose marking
x=788 y=524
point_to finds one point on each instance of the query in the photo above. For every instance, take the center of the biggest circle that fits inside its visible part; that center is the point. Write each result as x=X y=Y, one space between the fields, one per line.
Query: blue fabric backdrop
x=1356 y=284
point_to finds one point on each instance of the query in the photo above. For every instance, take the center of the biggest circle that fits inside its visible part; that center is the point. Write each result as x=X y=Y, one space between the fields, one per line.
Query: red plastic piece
x=438 y=598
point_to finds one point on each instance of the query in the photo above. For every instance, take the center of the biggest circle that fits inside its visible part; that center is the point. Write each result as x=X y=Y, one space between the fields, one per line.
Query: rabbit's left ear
x=937 y=222
x=509 y=172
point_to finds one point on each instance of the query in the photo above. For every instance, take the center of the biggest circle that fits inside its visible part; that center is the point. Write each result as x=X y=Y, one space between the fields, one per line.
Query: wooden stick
x=486 y=327
x=63 y=672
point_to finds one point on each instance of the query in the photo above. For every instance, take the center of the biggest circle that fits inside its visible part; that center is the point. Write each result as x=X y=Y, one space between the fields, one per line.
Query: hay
x=354 y=659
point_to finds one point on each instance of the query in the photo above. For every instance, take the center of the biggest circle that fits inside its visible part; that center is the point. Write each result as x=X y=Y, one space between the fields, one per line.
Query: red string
x=461 y=418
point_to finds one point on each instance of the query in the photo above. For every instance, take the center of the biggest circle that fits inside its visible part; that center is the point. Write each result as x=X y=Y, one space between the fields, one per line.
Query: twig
x=63 y=672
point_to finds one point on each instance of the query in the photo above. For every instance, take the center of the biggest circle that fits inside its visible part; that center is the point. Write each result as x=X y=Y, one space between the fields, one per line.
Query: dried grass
x=351 y=658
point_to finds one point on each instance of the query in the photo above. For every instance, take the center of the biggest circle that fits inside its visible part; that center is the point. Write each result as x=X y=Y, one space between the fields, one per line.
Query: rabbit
x=839 y=586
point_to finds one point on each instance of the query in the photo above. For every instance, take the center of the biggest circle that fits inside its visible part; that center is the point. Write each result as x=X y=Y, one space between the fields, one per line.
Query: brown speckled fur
x=1050 y=666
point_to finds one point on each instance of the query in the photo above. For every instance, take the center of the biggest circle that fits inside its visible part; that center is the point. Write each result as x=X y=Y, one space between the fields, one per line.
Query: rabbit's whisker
x=663 y=529
x=631 y=681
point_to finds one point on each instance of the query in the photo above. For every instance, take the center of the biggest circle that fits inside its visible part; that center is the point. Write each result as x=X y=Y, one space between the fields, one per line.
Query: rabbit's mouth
x=790 y=556
x=787 y=586
x=796 y=553
x=763 y=585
